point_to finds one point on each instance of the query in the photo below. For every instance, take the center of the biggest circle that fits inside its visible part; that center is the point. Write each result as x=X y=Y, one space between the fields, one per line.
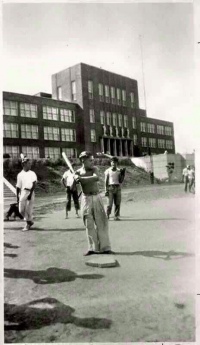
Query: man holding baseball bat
x=26 y=183
x=93 y=212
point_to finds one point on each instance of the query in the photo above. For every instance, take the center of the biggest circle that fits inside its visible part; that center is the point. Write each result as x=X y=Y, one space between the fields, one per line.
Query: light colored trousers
x=96 y=222
x=26 y=206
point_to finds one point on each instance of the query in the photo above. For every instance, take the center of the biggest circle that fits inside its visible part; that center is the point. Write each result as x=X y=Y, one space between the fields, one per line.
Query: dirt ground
x=52 y=296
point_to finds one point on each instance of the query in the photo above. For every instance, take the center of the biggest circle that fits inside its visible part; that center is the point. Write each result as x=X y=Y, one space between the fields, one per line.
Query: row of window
x=33 y=152
x=30 y=110
x=154 y=143
x=108 y=94
x=11 y=130
x=150 y=128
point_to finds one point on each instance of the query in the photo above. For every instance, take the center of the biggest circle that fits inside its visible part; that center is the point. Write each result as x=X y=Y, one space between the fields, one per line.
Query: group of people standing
x=189 y=178
x=95 y=217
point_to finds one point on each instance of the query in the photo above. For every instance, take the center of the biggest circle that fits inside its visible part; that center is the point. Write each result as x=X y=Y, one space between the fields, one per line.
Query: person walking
x=185 y=177
x=113 y=180
x=92 y=208
x=25 y=187
x=71 y=191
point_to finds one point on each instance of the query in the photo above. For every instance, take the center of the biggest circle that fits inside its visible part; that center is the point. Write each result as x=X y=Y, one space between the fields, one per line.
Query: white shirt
x=25 y=179
x=185 y=172
x=190 y=174
x=68 y=178
x=113 y=176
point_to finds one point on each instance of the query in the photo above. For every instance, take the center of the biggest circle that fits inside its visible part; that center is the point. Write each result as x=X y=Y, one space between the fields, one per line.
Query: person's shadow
x=44 y=312
x=51 y=275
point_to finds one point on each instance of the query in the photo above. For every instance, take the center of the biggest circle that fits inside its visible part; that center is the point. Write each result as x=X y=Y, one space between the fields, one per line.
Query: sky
x=42 y=39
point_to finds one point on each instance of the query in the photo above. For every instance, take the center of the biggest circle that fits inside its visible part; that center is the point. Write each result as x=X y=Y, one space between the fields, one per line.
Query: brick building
x=90 y=109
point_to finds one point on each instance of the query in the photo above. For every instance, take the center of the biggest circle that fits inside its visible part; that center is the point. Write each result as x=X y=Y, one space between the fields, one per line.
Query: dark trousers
x=72 y=194
x=186 y=182
x=191 y=183
x=14 y=209
x=114 y=196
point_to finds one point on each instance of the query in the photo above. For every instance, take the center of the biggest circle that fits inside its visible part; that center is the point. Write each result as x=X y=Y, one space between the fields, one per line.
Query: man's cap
x=85 y=154
x=25 y=159
x=188 y=166
x=114 y=159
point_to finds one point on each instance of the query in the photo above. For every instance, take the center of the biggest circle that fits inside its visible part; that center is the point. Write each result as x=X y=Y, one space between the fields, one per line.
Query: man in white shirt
x=26 y=183
x=71 y=190
x=113 y=179
x=185 y=177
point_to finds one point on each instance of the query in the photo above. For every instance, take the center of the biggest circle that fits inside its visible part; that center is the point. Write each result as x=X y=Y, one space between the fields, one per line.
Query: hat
x=188 y=166
x=114 y=159
x=85 y=154
x=24 y=158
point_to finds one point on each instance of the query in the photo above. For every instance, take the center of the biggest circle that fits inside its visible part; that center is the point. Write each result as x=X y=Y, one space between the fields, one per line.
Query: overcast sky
x=42 y=39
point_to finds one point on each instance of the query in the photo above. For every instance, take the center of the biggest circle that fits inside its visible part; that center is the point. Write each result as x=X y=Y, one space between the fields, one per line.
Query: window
x=150 y=128
x=52 y=152
x=13 y=151
x=68 y=134
x=168 y=130
x=107 y=93
x=169 y=144
x=108 y=118
x=92 y=117
x=101 y=92
x=118 y=96
x=144 y=141
x=73 y=85
x=10 y=108
x=152 y=142
x=50 y=113
x=70 y=152
x=134 y=122
x=59 y=92
x=161 y=143
x=51 y=133
x=93 y=135
x=112 y=94
x=132 y=97
x=28 y=110
x=124 y=98
x=31 y=151
x=90 y=89
x=125 y=121
x=114 y=119
x=135 y=139
x=10 y=130
x=29 y=132
x=160 y=129
x=143 y=126
x=102 y=117
x=120 y=120
x=67 y=115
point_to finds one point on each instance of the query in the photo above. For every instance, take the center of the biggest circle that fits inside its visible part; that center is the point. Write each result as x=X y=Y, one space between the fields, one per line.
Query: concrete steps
x=7 y=192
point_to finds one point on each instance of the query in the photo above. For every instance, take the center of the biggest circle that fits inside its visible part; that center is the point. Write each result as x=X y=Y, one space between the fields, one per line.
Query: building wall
x=41 y=123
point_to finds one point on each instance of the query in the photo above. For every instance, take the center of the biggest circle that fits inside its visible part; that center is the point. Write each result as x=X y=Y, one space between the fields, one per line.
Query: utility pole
x=141 y=48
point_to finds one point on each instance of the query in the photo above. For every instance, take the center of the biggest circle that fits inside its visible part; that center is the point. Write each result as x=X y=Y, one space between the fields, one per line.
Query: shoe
x=117 y=218
x=30 y=223
x=108 y=216
x=90 y=252
x=77 y=215
x=6 y=219
x=26 y=228
x=66 y=217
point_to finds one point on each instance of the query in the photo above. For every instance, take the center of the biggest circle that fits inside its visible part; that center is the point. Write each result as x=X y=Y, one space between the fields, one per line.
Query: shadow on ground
x=44 y=312
x=158 y=254
x=51 y=275
x=9 y=245
x=151 y=219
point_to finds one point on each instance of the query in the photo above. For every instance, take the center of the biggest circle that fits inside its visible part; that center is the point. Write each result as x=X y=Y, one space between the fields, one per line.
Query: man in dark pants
x=71 y=190
x=113 y=179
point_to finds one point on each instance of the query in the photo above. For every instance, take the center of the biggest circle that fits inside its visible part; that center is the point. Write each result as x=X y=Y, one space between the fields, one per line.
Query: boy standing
x=113 y=179
x=71 y=190
x=93 y=212
x=26 y=183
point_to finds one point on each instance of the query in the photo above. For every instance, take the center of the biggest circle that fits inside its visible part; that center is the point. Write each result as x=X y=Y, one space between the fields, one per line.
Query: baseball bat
x=67 y=161
x=104 y=154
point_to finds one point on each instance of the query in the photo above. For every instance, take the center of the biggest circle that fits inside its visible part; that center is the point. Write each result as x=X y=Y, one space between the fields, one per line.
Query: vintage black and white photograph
x=99 y=172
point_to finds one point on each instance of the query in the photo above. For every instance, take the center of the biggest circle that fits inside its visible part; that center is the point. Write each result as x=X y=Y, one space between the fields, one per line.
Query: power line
x=141 y=47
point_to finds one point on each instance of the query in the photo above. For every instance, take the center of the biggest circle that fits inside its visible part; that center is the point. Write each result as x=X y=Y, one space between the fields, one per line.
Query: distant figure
x=151 y=177
x=113 y=179
x=71 y=191
x=191 y=178
x=185 y=175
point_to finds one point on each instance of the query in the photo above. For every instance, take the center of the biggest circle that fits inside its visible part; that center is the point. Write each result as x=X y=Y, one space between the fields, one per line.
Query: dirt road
x=52 y=296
